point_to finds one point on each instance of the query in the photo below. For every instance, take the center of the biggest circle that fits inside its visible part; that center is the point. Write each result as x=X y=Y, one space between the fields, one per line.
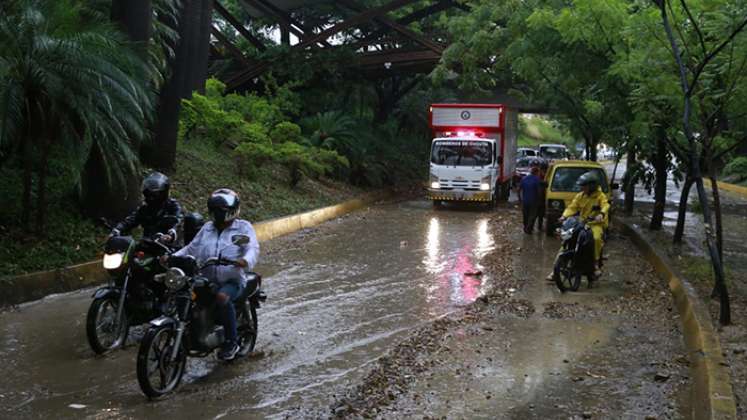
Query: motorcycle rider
x=591 y=202
x=214 y=240
x=149 y=215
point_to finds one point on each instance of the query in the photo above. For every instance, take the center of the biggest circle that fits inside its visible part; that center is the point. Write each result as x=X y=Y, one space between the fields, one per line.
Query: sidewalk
x=691 y=260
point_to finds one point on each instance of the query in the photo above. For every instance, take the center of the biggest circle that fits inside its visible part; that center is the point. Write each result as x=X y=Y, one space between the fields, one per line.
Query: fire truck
x=473 y=152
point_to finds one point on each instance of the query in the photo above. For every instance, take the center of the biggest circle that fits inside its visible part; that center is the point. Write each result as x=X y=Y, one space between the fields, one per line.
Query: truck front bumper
x=459 y=195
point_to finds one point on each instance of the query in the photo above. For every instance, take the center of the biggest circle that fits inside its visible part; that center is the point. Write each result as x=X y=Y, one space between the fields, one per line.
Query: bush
x=737 y=169
x=251 y=156
x=286 y=131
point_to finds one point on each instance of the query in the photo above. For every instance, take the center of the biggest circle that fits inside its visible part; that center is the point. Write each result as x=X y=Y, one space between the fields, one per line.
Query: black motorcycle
x=189 y=328
x=131 y=297
x=576 y=257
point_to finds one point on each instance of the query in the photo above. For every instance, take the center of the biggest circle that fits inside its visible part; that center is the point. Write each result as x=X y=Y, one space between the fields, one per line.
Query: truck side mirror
x=615 y=186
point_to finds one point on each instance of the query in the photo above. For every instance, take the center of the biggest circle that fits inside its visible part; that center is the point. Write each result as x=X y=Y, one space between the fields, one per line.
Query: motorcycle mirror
x=240 y=239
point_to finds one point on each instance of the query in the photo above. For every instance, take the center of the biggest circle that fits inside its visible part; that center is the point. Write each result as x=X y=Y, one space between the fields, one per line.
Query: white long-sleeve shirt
x=209 y=243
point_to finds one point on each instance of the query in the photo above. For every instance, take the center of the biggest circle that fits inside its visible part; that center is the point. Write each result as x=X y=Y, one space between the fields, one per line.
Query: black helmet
x=543 y=165
x=589 y=178
x=534 y=162
x=156 y=188
x=223 y=205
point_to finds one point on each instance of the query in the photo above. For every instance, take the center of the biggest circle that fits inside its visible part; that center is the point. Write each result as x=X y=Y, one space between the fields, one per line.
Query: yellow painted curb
x=736 y=189
x=712 y=394
x=33 y=286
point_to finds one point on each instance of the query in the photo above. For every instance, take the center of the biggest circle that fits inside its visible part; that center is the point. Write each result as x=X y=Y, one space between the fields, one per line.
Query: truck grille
x=449 y=184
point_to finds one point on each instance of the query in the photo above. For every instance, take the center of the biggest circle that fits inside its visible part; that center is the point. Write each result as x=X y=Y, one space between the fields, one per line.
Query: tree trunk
x=629 y=183
x=161 y=153
x=285 y=35
x=660 y=186
x=41 y=197
x=192 y=19
x=134 y=17
x=202 y=48
x=679 y=231
x=100 y=199
x=717 y=213
x=28 y=173
x=694 y=161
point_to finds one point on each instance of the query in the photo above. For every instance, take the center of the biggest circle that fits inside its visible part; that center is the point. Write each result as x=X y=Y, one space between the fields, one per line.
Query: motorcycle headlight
x=175 y=278
x=566 y=234
x=556 y=204
x=113 y=261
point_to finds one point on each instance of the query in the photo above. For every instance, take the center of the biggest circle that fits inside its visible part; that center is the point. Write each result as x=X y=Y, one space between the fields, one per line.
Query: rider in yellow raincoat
x=591 y=203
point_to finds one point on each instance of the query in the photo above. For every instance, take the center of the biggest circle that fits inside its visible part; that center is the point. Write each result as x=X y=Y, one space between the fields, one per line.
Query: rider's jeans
x=233 y=290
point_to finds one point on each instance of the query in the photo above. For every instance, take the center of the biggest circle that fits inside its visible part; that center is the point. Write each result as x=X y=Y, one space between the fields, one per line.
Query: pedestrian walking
x=543 y=190
x=529 y=197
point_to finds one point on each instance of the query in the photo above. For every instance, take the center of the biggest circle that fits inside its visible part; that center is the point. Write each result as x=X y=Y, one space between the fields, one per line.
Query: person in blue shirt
x=529 y=196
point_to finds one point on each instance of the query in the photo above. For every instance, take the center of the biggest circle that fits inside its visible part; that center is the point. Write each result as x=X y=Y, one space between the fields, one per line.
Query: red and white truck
x=473 y=152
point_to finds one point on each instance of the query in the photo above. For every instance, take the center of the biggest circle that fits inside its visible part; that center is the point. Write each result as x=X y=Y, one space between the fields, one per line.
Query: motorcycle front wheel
x=564 y=275
x=156 y=373
x=103 y=332
x=247 y=329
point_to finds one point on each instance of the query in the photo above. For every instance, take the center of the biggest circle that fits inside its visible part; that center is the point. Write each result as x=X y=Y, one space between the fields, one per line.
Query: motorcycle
x=189 y=328
x=131 y=297
x=576 y=257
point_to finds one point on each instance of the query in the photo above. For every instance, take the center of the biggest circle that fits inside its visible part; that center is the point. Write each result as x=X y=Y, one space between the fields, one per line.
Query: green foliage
x=257 y=131
x=737 y=169
x=70 y=84
x=286 y=131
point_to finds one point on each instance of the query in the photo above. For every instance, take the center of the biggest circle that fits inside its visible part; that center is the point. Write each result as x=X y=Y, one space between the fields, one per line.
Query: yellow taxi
x=561 y=187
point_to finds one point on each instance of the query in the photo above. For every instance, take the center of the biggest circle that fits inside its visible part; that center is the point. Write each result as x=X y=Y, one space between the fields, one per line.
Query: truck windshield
x=553 y=152
x=564 y=179
x=461 y=153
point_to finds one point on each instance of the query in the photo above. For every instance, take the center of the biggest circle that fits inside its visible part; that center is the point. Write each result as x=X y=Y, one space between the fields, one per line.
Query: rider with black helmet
x=215 y=240
x=157 y=205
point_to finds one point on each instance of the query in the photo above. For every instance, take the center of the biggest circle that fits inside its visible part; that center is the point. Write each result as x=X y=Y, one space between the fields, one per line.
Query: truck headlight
x=113 y=261
x=435 y=185
x=484 y=187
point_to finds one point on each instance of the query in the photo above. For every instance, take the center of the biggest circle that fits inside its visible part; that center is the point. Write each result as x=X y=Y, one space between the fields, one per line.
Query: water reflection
x=452 y=259
x=432 y=261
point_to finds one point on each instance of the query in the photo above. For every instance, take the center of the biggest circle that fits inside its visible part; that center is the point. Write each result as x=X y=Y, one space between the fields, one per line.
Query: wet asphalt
x=339 y=297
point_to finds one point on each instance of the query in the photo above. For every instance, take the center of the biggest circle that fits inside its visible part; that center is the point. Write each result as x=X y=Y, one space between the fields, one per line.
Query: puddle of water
x=335 y=304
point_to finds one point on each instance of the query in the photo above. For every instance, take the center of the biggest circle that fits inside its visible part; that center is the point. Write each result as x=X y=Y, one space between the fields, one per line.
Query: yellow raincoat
x=583 y=205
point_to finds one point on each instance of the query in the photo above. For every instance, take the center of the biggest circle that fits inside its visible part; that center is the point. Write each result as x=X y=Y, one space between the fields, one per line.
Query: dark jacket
x=150 y=218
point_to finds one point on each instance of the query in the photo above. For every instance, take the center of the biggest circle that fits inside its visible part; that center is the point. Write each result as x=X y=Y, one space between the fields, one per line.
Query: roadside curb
x=34 y=286
x=737 y=189
x=712 y=396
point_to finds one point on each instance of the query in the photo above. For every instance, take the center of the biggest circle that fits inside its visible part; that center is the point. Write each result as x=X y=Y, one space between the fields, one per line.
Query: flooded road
x=339 y=297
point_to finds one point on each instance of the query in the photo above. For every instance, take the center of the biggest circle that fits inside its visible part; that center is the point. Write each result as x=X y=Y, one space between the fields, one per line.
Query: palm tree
x=67 y=75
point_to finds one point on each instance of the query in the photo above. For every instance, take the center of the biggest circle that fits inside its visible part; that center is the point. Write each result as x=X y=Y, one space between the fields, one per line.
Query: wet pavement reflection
x=338 y=298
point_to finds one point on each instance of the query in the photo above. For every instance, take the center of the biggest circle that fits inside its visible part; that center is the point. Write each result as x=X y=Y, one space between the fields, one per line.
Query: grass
x=537 y=130
x=71 y=239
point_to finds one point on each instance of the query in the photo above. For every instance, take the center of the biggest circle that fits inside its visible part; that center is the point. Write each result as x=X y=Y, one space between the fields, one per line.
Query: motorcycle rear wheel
x=247 y=329
x=152 y=360
x=101 y=325
x=565 y=277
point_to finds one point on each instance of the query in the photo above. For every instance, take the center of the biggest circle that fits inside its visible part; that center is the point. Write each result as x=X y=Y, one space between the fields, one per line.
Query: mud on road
x=524 y=350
